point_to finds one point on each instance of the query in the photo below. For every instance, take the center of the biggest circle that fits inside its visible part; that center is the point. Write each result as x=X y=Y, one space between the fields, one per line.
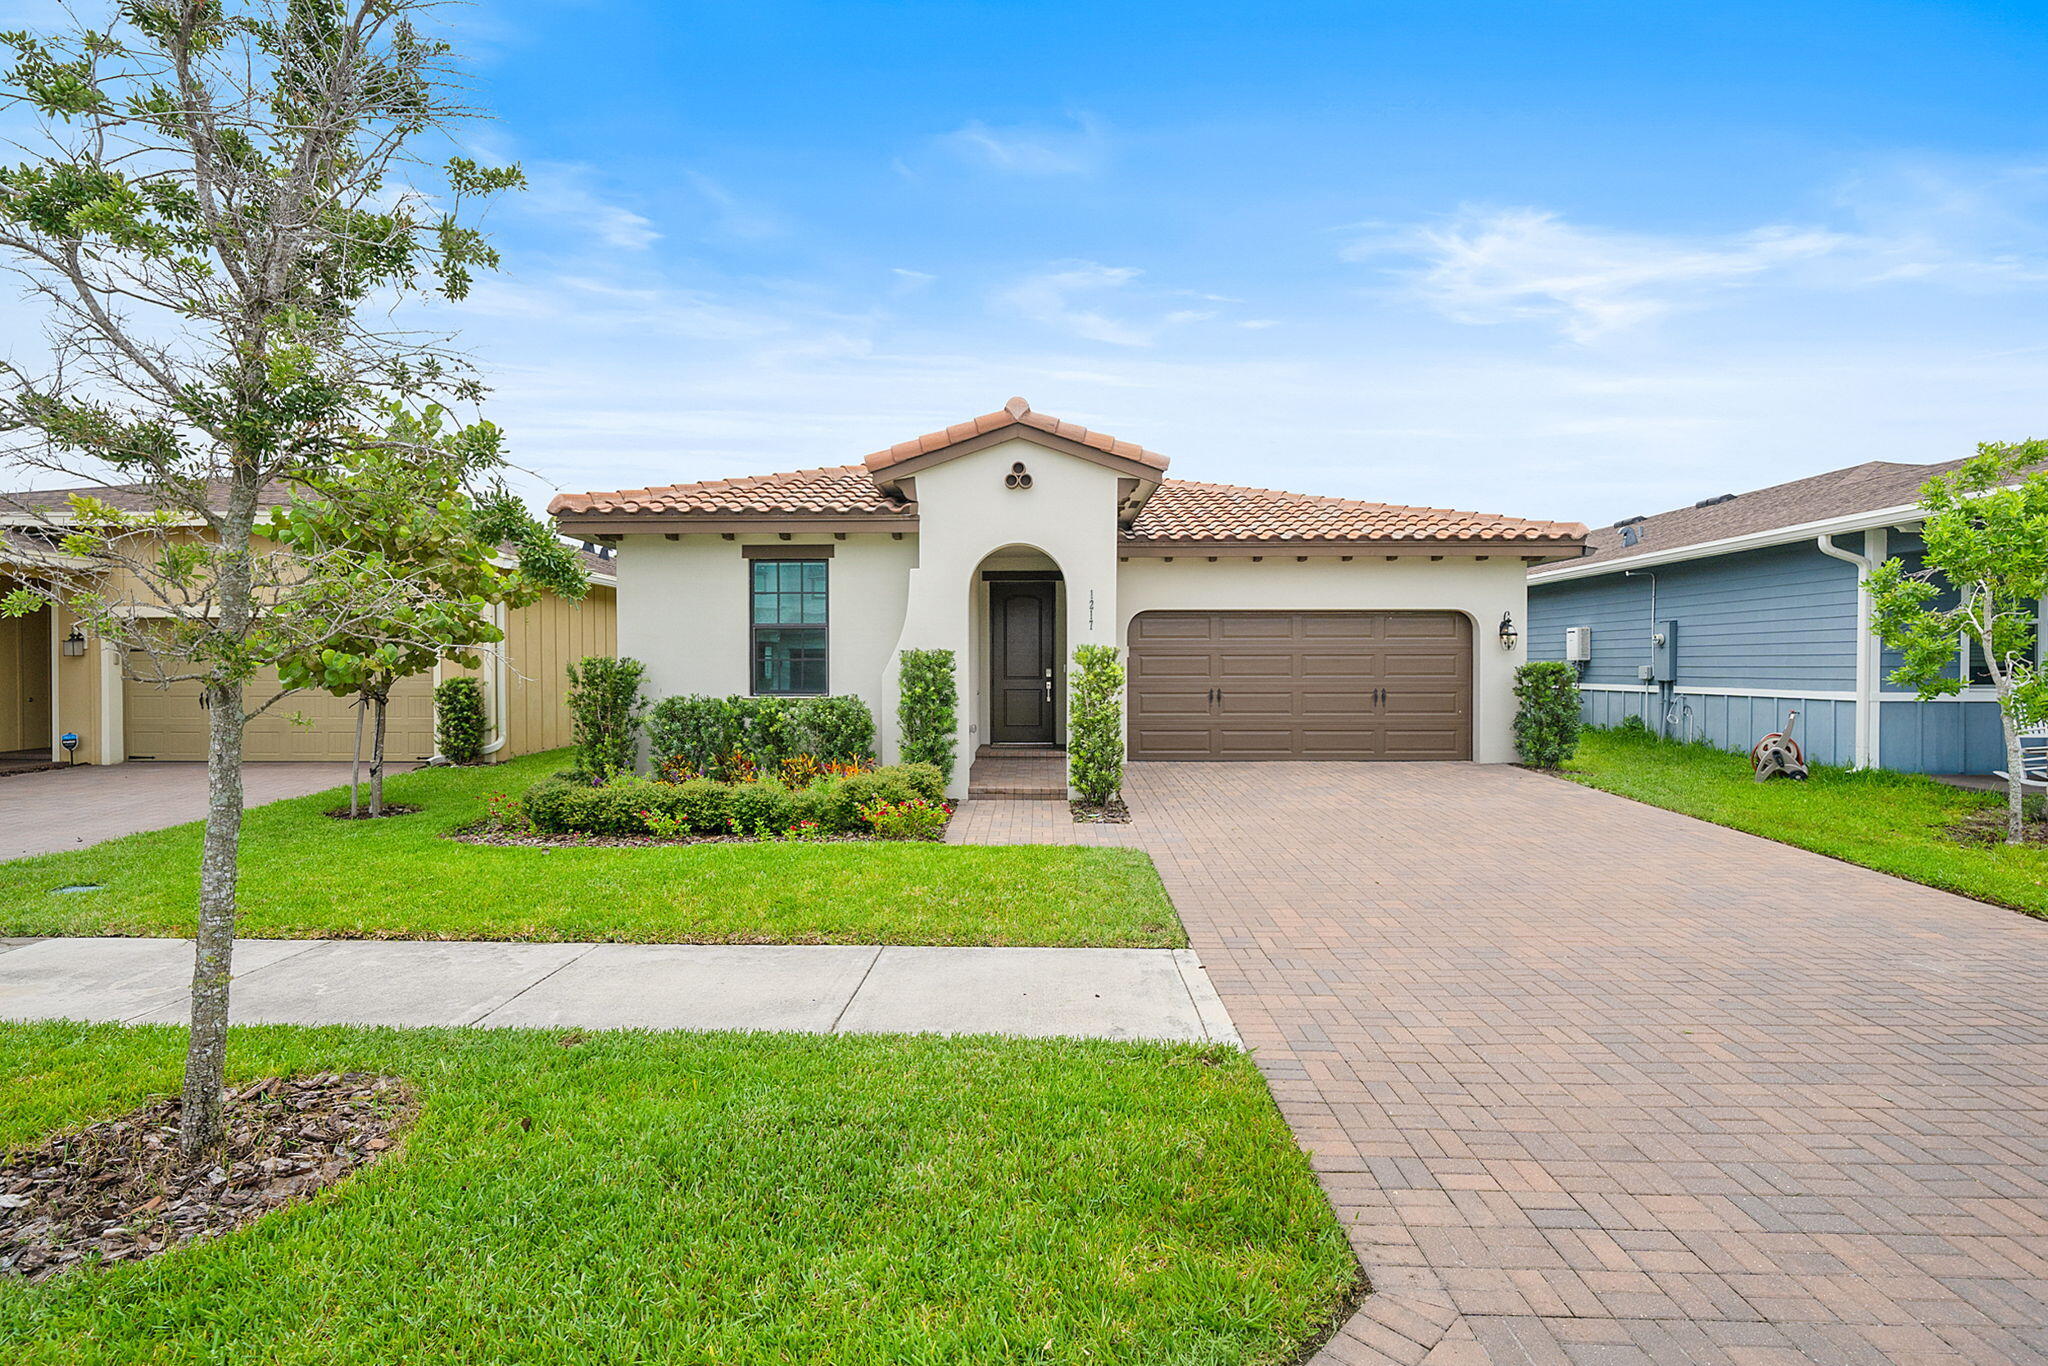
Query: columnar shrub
x=927 y=708
x=1095 y=724
x=1547 y=712
x=459 y=720
x=605 y=706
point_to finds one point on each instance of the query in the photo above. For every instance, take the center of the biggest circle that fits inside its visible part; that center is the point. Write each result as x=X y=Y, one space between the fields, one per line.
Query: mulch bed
x=342 y=813
x=120 y=1190
x=1111 y=812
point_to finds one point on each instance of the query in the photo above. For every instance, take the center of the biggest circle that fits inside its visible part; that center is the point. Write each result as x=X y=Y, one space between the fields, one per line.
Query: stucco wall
x=683 y=604
x=1481 y=589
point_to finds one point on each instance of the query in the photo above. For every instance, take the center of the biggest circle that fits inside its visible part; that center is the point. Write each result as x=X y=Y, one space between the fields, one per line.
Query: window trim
x=755 y=627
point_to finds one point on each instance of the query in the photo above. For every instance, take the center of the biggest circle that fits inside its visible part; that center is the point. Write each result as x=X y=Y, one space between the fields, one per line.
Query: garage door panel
x=1300 y=685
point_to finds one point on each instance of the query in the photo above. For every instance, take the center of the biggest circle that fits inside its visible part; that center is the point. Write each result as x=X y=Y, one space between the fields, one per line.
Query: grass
x=1893 y=822
x=312 y=877
x=306 y=876
x=729 y=1198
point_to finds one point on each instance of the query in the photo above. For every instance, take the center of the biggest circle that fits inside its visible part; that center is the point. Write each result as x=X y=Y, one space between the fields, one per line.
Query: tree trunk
x=199 y=1116
x=2015 y=770
x=377 y=757
x=355 y=768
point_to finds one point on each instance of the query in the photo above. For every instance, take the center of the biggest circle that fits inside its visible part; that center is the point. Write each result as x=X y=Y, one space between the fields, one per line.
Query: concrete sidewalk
x=864 y=989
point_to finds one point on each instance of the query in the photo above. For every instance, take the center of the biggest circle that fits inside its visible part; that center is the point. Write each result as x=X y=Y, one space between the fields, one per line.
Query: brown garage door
x=170 y=723
x=1301 y=685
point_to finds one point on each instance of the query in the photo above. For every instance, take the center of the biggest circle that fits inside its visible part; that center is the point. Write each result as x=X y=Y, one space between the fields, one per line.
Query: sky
x=1568 y=260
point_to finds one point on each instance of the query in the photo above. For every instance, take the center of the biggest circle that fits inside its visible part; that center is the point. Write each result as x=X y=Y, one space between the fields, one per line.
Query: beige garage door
x=170 y=723
x=1301 y=685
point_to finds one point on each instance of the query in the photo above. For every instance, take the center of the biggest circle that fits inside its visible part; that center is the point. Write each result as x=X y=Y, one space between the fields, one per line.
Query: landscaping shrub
x=605 y=705
x=923 y=780
x=547 y=805
x=701 y=734
x=1633 y=724
x=459 y=726
x=927 y=708
x=759 y=809
x=916 y=819
x=702 y=803
x=1547 y=712
x=1095 y=724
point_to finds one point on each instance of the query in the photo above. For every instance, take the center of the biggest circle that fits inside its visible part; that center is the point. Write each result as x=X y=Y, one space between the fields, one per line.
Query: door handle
x=1048 y=685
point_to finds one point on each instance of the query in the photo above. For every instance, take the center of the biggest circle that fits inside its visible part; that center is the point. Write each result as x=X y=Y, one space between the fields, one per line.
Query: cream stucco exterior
x=684 y=596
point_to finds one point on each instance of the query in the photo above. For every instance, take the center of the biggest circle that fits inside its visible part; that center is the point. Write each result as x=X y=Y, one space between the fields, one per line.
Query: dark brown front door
x=1301 y=685
x=1022 y=656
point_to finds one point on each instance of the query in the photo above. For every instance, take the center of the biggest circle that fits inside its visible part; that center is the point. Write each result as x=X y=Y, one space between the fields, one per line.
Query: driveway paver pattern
x=1592 y=1082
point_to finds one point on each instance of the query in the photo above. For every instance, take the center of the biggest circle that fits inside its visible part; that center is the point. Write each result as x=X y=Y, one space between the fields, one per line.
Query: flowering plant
x=506 y=814
x=665 y=826
x=806 y=830
x=916 y=819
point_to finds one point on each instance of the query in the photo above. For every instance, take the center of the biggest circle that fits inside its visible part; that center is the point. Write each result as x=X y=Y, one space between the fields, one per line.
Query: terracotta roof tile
x=1183 y=510
x=835 y=491
x=1014 y=413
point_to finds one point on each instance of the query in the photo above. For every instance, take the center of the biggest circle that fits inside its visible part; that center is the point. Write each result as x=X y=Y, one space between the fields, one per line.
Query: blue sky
x=1563 y=260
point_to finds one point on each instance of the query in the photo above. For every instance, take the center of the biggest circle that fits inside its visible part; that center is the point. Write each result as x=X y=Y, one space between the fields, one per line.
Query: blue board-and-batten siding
x=1779 y=620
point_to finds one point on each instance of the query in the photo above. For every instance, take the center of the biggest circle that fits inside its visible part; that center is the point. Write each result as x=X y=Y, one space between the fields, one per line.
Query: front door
x=1022 y=656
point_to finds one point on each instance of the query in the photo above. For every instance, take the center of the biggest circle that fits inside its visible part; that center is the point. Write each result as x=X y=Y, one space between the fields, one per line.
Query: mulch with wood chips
x=121 y=1190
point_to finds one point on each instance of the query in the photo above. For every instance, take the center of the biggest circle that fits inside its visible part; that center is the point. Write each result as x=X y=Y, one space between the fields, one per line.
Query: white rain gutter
x=1866 y=640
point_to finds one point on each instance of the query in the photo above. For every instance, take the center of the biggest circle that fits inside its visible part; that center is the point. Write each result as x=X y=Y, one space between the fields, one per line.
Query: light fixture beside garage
x=74 y=644
x=1508 y=634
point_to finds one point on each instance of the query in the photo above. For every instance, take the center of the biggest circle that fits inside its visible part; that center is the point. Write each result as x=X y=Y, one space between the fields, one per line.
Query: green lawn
x=1893 y=822
x=304 y=875
x=721 y=1198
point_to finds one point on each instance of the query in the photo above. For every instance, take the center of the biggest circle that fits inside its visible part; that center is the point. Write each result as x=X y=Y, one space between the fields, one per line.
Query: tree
x=395 y=521
x=1986 y=538
x=221 y=190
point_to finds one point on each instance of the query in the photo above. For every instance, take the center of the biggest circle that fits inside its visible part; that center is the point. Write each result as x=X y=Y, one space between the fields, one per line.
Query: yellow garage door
x=170 y=722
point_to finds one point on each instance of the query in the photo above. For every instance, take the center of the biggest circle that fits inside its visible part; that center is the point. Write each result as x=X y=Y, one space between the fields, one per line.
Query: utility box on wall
x=1578 y=644
x=1664 y=652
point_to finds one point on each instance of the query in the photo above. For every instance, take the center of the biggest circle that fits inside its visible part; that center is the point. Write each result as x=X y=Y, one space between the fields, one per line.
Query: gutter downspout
x=1650 y=685
x=497 y=667
x=1866 y=658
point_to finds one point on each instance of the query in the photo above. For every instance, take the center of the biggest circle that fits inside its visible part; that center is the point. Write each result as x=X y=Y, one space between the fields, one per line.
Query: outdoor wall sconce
x=74 y=644
x=1018 y=477
x=1508 y=634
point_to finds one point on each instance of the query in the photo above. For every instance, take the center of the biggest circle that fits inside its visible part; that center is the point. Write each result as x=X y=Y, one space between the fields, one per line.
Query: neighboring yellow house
x=57 y=677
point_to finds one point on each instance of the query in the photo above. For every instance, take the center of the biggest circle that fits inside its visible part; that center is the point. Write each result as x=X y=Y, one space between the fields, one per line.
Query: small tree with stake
x=1986 y=537
x=219 y=192
x=394 y=521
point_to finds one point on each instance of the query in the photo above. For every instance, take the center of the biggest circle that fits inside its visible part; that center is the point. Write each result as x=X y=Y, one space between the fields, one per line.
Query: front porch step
x=1017 y=794
x=1020 y=752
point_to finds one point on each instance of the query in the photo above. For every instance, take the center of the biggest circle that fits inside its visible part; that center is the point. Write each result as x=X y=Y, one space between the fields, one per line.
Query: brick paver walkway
x=1591 y=1082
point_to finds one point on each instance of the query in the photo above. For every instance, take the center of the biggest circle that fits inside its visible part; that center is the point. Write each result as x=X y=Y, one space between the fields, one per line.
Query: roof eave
x=1396 y=547
x=1729 y=545
x=687 y=523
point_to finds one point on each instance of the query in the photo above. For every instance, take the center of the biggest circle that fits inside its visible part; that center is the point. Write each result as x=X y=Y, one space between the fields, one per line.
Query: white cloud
x=1030 y=151
x=1492 y=266
x=734 y=218
x=561 y=191
x=1048 y=297
x=909 y=281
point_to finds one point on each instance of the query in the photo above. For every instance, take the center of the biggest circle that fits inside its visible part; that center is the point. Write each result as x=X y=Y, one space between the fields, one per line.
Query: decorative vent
x=1018 y=477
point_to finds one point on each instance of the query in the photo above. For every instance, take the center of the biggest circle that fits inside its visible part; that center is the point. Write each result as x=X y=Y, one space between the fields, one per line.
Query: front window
x=789 y=627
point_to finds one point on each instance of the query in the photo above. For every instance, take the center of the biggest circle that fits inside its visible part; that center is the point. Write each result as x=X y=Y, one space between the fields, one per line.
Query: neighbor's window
x=789 y=626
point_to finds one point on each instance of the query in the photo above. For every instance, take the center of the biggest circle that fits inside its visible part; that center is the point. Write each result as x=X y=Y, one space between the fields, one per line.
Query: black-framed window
x=788 y=616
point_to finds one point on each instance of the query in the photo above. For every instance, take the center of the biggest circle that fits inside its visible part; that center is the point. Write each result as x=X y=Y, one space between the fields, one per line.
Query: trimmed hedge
x=1546 y=712
x=459 y=720
x=559 y=806
x=701 y=732
x=927 y=708
x=1095 y=730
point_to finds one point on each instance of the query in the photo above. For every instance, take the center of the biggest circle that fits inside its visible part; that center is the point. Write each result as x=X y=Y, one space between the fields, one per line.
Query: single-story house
x=1716 y=620
x=57 y=676
x=1257 y=624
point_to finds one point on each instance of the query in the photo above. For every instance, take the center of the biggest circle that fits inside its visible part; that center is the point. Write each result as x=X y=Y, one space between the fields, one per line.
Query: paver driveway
x=69 y=808
x=1592 y=1082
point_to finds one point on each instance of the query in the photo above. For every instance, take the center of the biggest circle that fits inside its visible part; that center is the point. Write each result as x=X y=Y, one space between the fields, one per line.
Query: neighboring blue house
x=1716 y=620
